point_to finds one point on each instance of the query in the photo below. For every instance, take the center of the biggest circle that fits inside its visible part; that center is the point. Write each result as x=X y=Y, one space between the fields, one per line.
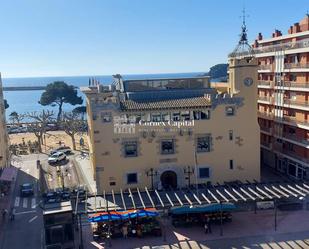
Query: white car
x=56 y=157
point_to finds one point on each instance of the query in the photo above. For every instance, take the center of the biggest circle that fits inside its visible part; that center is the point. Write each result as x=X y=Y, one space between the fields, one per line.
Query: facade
x=4 y=151
x=283 y=99
x=169 y=133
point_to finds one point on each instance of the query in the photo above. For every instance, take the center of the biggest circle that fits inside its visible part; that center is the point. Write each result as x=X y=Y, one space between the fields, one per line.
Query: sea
x=24 y=102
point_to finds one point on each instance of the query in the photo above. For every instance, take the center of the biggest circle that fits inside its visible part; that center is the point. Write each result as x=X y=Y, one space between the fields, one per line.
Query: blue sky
x=98 y=37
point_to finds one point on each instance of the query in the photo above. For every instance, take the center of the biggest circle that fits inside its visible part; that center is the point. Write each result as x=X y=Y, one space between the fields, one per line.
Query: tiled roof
x=198 y=102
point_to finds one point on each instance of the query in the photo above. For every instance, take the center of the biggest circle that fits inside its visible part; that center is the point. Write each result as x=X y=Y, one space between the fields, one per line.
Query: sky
x=103 y=37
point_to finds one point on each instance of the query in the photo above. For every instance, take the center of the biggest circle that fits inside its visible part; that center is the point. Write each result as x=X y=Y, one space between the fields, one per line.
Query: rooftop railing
x=283 y=46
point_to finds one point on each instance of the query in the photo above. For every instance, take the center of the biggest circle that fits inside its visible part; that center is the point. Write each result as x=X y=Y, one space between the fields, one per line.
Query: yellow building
x=168 y=133
x=4 y=152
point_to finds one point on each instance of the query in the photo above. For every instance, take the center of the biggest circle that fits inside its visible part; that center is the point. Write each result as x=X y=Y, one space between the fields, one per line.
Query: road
x=26 y=230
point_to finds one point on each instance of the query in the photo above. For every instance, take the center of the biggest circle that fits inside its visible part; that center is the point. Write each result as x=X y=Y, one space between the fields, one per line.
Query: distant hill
x=218 y=72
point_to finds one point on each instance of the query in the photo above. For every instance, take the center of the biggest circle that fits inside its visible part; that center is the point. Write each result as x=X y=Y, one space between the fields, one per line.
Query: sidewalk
x=5 y=202
x=85 y=172
x=244 y=225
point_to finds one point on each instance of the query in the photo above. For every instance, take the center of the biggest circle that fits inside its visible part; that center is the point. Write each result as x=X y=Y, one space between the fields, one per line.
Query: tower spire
x=243 y=48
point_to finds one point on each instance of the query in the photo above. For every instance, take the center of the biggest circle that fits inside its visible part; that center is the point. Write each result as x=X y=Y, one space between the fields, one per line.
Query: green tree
x=59 y=93
x=80 y=110
x=6 y=105
x=16 y=118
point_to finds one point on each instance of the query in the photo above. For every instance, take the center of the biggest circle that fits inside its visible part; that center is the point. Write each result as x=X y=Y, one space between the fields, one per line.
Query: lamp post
x=188 y=171
x=151 y=172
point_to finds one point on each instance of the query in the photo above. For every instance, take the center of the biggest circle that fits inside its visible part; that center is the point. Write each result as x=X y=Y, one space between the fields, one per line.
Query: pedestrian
x=125 y=231
x=208 y=222
x=206 y=228
x=4 y=212
x=12 y=214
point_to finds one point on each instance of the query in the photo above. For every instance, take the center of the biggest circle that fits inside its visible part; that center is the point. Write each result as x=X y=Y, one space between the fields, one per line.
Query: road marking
x=26 y=212
x=33 y=203
x=25 y=203
x=32 y=219
x=97 y=245
x=17 y=200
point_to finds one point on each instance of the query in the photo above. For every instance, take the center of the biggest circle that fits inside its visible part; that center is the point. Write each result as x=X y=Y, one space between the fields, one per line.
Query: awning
x=122 y=215
x=8 y=174
x=208 y=208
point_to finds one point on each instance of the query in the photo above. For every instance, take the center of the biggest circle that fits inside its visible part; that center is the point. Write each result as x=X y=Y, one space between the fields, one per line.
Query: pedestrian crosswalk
x=25 y=202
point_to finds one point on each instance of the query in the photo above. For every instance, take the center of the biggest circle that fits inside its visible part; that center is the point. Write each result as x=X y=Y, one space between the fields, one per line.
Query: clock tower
x=243 y=76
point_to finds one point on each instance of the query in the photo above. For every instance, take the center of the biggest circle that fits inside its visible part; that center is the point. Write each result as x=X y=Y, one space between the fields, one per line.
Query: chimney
x=260 y=36
x=278 y=33
x=296 y=27
x=290 y=31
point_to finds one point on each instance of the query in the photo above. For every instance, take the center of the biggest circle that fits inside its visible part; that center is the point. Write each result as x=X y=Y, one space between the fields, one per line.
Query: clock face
x=248 y=81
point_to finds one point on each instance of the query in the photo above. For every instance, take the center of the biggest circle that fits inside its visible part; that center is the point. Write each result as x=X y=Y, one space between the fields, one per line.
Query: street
x=26 y=230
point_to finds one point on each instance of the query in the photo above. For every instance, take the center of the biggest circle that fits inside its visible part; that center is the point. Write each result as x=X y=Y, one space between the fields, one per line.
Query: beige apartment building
x=283 y=99
x=169 y=133
x=4 y=151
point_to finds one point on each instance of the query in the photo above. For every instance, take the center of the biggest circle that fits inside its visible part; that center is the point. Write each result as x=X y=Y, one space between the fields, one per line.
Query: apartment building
x=283 y=99
x=4 y=151
x=169 y=133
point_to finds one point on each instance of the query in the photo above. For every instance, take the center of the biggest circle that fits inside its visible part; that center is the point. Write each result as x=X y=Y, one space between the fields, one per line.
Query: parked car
x=65 y=149
x=56 y=157
x=26 y=189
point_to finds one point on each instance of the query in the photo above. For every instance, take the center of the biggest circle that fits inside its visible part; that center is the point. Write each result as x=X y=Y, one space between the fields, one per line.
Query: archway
x=169 y=179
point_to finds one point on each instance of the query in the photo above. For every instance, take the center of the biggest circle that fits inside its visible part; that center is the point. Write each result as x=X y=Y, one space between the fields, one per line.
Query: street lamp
x=151 y=172
x=188 y=171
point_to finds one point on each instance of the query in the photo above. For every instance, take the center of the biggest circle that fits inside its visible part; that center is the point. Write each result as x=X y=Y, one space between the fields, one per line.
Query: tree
x=16 y=118
x=6 y=105
x=81 y=110
x=58 y=93
x=72 y=125
x=39 y=124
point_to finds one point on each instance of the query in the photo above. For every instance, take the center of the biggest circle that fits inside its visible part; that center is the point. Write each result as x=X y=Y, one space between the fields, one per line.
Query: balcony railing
x=265 y=83
x=293 y=84
x=265 y=98
x=296 y=65
x=295 y=138
x=265 y=67
x=284 y=46
x=287 y=119
x=266 y=129
x=296 y=102
x=265 y=115
x=291 y=153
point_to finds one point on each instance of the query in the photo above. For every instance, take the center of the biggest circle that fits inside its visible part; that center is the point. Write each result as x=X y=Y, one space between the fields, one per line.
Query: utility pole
x=188 y=171
x=151 y=172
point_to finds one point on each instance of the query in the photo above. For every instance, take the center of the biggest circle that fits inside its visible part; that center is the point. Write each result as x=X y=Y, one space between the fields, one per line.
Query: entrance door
x=169 y=179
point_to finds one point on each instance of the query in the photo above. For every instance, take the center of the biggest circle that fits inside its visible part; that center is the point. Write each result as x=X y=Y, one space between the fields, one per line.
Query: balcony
x=266 y=145
x=291 y=84
x=303 y=105
x=284 y=46
x=302 y=141
x=266 y=67
x=265 y=99
x=265 y=84
x=266 y=115
x=291 y=154
x=296 y=65
x=304 y=124
x=265 y=129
